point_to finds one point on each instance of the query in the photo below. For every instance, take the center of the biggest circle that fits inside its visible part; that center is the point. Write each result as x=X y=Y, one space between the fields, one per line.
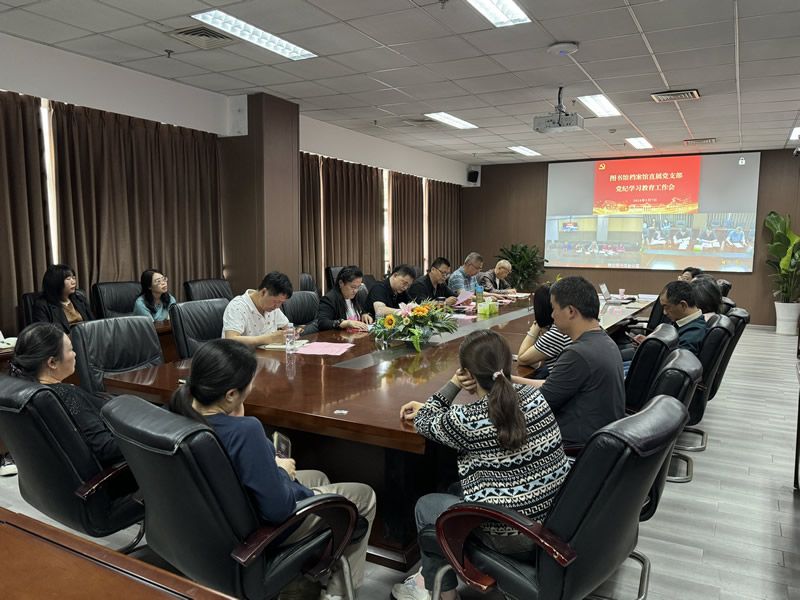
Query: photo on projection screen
x=661 y=213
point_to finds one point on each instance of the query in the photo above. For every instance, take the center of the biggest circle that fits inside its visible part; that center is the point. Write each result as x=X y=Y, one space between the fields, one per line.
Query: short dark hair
x=542 y=307
x=276 y=284
x=578 y=293
x=693 y=271
x=405 y=271
x=439 y=261
x=53 y=282
x=348 y=274
x=707 y=293
x=679 y=291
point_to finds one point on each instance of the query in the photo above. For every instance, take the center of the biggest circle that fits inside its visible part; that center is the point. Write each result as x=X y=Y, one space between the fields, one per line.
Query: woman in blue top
x=221 y=378
x=155 y=300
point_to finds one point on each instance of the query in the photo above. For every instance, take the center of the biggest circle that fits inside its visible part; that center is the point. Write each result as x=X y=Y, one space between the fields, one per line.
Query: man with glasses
x=385 y=297
x=494 y=281
x=434 y=284
x=464 y=278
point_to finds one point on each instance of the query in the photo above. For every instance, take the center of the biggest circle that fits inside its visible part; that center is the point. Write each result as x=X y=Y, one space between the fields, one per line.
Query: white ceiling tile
x=683 y=13
x=636 y=65
x=687 y=38
x=768 y=49
x=19 y=2
x=487 y=111
x=404 y=26
x=632 y=83
x=547 y=9
x=495 y=122
x=701 y=77
x=767 y=83
x=766 y=68
x=516 y=128
x=353 y=9
x=458 y=103
x=379 y=97
x=331 y=39
x=526 y=108
x=751 y=8
x=767 y=97
x=217 y=60
x=769 y=26
x=610 y=48
x=468 y=67
x=491 y=83
x=352 y=83
x=439 y=89
x=153 y=10
x=688 y=59
x=279 y=16
x=525 y=60
x=373 y=59
x=405 y=76
x=409 y=109
x=437 y=50
x=364 y=112
x=337 y=102
x=591 y=26
x=315 y=68
x=301 y=89
x=86 y=14
x=212 y=81
x=516 y=96
x=509 y=39
x=263 y=75
x=256 y=53
x=164 y=67
x=552 y=76
x=458 y=17
x=777 y=106
x=37 y=28
x=105 y=48
x=150 y=39
x=325 y=115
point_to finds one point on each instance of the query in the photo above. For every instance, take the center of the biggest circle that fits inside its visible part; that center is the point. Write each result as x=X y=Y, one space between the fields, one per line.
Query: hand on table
x=367 y=318
x=288 y=465
x=359 y=325
x=410 y=410
x=450 y=301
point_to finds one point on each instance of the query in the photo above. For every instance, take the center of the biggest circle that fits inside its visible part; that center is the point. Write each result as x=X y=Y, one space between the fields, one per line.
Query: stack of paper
x=325 y=348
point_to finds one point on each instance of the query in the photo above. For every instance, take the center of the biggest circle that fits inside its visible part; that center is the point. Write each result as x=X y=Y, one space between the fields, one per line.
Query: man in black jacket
x=433 y=286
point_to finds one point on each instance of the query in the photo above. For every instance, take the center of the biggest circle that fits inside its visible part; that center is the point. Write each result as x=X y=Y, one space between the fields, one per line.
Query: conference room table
x=342 y=413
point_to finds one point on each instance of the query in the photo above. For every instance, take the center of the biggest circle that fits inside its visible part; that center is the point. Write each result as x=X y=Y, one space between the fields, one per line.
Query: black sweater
x=45 y=311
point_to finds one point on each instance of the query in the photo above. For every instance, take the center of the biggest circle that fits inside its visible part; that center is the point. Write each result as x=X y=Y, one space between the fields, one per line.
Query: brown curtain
x=353 y=215
x=444 y=221
x=310 y=217
x=407 y=219
x=24 y=229
x=135 y=194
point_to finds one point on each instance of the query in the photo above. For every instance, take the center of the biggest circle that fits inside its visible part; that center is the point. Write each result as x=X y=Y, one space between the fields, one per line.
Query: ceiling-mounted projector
x=558 y=122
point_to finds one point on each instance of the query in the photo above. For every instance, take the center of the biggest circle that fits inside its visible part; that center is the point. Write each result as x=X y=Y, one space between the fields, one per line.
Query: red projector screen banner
x=667 y=185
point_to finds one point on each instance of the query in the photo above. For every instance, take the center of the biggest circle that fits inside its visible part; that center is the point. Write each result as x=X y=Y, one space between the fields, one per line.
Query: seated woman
x=707 y=295
x=44 y=353
x=543 y=343
x=221 y=378
x=340 y=308
x=509 y=452
x=60 y=302
x=155 y=300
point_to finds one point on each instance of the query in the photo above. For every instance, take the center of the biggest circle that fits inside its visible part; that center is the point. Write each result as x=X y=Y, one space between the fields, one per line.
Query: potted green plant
x=784 y=259
x=527 y=264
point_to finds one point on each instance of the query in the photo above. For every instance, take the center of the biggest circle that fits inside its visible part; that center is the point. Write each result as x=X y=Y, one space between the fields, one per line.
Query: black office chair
x=196 y=322
x=725 y=286
x=369 y=281
x=199 y=517
x=330 y=276
x=26 y=308
x=207 y=289
x=645 y=364
x=57 y=472
x=115 y=298
x=678 y=377
x=301 y=308
x=591 y=528
x=727 y=305
x=720 y=332
x=113 y=345
x=655 y=319
x=740 y=318
x=307 y=283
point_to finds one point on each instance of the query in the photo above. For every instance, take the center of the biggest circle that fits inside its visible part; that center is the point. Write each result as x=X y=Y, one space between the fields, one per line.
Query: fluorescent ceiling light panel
x=500 y=13
x=449 y=119
x=524 y=150
x=639 y=143
x=254 y=35
x=795 y=134
x=600 y=105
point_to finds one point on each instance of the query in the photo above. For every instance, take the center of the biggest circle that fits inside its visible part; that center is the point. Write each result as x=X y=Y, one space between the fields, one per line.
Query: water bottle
x=289 y=334
x=478 y=293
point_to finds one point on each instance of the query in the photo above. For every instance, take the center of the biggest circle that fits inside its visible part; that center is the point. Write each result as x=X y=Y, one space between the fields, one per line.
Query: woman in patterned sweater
x=510 y=451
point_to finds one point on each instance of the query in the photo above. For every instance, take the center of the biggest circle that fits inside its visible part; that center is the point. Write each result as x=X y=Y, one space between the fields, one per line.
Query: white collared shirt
x=689 y=319
x=242 y=316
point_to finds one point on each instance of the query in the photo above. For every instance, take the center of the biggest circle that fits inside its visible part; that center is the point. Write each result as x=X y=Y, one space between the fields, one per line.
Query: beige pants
x=363 y=497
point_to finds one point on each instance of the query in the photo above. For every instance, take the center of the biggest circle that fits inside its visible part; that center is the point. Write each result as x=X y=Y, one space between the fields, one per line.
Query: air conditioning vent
x=675 y=96
x=699 y=141
x=202 y=37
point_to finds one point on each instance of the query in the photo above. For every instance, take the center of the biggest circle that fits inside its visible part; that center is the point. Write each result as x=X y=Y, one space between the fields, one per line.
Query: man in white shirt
x=255 y=318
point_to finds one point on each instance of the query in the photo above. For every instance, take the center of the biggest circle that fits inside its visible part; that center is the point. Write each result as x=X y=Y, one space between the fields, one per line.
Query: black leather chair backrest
x=724 y=286
x=113 y=345
x=369 y=281
x=727 y=305
x=53 y=460
x=207 y=289
x=114 y=298
x=656 y=316
x=740 y=318
x=597 y=510
x=196 y=510
x=196 y=322
x=301 y=308
x=645 y=364
x=307 y=283
x=330 y=276
x=26 y=307
x=720 y=333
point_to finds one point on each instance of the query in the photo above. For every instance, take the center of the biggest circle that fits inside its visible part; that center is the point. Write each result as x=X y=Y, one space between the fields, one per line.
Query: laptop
x=613 y=299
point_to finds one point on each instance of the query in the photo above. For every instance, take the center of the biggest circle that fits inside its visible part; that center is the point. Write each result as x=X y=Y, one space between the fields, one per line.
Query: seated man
x=385 y=297
x=678 y=303
x=464 y=277
x=434 y=284
x=585 y=388
x=254 y=318
x=494 y=281
x=736 y=239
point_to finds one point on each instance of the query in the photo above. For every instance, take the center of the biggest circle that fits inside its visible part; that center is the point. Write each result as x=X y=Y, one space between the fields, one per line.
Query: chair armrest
x=99 y=480
x=455 y=525
x=573 y=450
x=336 y=512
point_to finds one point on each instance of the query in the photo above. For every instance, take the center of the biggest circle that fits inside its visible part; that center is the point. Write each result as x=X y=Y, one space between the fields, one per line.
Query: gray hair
x=473 y=257
x=503 y=264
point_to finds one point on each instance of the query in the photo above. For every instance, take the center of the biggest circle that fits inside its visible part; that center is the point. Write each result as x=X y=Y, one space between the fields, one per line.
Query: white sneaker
x=7 y=466
x=408 y=590
x=323 y=595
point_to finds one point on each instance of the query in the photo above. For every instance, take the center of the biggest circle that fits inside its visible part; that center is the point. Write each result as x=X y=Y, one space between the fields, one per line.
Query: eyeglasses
x=444 y=273
x=160 y=281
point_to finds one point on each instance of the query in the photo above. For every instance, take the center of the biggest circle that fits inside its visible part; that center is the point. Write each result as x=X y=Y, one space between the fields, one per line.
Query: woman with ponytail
x=221 y=378
x=509 y=452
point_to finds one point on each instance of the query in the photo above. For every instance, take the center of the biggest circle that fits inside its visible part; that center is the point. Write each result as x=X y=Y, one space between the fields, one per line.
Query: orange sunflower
x=389 y=321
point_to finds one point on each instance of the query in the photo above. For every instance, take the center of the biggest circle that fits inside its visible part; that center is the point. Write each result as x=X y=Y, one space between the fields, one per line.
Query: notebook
x=282 y=345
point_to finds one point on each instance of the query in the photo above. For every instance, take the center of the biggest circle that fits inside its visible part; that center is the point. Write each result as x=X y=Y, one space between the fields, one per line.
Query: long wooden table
x=40 y=561
x=344 y=412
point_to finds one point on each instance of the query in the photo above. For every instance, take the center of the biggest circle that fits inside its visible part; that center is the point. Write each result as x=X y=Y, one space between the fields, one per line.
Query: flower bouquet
x=415 y=324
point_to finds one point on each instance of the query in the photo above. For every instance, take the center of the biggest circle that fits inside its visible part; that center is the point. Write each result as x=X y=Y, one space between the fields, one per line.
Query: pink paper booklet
x=325 y=348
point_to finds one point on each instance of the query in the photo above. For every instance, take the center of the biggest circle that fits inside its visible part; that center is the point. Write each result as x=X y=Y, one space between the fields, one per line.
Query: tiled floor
x=734 y=531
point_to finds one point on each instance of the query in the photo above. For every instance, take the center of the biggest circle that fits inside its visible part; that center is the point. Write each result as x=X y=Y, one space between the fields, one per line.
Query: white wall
x=330 y=140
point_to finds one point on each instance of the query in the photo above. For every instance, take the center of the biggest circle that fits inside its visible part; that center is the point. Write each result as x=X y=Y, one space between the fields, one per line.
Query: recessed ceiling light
x=600 y=105
x=639 y=143
x=449 y=119
x=795 y=134
x=252 y=34
x=500 y=13
x=524 y=150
